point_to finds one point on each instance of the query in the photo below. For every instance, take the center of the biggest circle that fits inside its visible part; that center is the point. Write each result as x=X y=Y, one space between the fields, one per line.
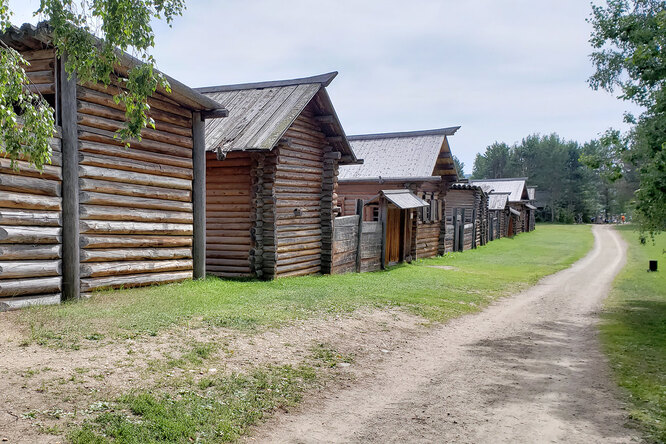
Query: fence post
x=359 y=235
x=383 y=214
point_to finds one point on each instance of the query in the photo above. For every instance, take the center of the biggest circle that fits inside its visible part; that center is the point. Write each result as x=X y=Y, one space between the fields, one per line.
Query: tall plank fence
x=354 y=253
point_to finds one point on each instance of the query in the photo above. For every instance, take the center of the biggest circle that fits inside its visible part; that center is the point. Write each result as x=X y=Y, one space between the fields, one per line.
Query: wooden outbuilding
x=465 y=217
x=518 y=201
x=418 y=161
x=102 y=215
x=272 y=169
x=498 y=215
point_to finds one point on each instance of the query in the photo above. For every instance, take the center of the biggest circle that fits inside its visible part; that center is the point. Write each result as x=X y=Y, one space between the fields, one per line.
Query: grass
x=634 y=333
x=480 y=275
x=219 y=410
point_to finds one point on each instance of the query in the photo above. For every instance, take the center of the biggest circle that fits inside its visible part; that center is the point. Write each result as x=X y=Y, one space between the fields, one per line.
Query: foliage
x=629 y=37
x=480 y=276
x=460 y=166
x=76 y=28
x=569 y=189
x=633 y=332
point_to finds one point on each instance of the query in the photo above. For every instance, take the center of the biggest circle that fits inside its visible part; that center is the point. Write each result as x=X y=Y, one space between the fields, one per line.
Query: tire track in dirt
x=527 y=369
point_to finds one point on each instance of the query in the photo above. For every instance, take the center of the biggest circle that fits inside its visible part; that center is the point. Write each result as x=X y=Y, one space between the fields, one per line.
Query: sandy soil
x=527 y=369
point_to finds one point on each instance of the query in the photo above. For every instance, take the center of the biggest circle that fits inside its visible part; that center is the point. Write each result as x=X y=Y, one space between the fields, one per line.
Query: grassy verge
x=472 y=279
x=634 y=332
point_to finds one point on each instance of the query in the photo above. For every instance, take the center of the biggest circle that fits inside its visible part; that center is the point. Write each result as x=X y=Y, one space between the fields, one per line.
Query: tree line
x=568 y=189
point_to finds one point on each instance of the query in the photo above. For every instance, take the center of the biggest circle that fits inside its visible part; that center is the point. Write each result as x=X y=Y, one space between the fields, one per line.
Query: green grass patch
x=633 y=332
x=480 y=275
x=213 y=410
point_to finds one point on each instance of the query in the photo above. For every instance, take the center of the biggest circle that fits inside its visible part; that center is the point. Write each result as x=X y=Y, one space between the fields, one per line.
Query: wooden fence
x=352 y=252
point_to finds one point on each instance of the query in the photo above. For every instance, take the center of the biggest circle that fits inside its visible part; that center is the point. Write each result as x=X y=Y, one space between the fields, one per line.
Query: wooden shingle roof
x=260 y=114
x=414 y=154
x=515 y=186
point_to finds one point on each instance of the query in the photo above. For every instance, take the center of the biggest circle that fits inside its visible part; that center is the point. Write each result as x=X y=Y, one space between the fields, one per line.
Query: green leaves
x=630 y=41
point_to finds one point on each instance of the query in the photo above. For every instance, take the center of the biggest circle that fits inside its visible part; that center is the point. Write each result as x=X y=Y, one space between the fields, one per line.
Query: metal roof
x=411 y=154
x=260 y=114
x=497 y=201
x=514 y=186
x=404 y=199
x=29 y=37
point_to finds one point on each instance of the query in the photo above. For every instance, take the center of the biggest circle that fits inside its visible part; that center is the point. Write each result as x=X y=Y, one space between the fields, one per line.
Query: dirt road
x=527 y=369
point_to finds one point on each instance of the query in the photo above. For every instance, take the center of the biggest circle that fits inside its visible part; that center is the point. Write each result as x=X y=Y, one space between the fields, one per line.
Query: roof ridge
x=449 y=131
x=323 y=79
x=502 y=179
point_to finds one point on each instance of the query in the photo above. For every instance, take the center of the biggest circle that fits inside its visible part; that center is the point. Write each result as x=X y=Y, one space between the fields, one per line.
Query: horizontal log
x=134 y=153
x=38 y=54
x=87 y=197
x=18 y=252
x=226 y=247
x=232 y=262
x=105 y=227
x=157 y=193
x=228 y=240
x=42 y=88
x=133 y=267
x=29 y=235
x=29 y=269
x=135 y=254
x=25 y=169
x=230 y=275
x=137 y=280
x=31 y=218
x=94 y=242
x=300 y=272
x=40 y=77
x=229 y=268
x=17 y=303
x=109 y=213
x=40 y=65
x=147 y=133
x=99 y=104
x=137 y=166
x=227 y=254
x=113 y=175
x=102 y=136
x=21 y=287
x=31 y=185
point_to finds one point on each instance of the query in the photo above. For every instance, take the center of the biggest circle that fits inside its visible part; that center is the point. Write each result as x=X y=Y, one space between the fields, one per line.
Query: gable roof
x=515 y=186
x=413 y=154
x=497 y=201
x=403 y=199
x=260 y=114
x=30 y=37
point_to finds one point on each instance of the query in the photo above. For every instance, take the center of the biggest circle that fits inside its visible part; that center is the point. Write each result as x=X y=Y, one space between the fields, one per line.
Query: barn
x=498 y=215
x=102 y=215
x=466 y=217
x=418 y=161
x=519 y=200
x=271 y=177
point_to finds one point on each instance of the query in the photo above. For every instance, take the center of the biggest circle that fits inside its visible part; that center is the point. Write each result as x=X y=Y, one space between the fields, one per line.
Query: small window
x=375 y=214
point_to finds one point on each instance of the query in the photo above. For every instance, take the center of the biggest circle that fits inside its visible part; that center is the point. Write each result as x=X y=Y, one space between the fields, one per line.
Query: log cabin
x=466 y=217
x=518 y=201
x=418 y=161
x=102 y=215
x=498 y=215
x=271 y=174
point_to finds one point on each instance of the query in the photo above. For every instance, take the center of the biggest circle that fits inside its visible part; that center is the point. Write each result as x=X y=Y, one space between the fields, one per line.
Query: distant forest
x=568 y=191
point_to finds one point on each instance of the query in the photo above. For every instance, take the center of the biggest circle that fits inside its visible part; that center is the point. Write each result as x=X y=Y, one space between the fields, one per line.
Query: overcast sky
x=500 y=69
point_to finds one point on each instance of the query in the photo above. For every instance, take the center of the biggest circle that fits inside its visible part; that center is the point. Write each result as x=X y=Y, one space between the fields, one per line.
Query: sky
x=501 y=69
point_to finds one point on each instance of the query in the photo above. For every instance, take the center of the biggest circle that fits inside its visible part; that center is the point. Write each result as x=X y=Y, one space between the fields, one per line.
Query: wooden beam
x=359 y=235
x=383 y=215
x=199 y=195
x=214 y=114
x=71 y=283
x=327 y=118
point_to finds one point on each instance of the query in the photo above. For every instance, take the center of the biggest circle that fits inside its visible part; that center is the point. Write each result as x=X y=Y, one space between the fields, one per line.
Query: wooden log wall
x=298 y=202
x=41 y=70
x=229 y=211
x=30 y=232
x=426 y=239
x=135 y=204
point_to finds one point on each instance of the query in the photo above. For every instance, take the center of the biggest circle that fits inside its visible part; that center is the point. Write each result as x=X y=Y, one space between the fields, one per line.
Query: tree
x=493 y=164
x=26 y=120
x=460 y=167
x=629 y=37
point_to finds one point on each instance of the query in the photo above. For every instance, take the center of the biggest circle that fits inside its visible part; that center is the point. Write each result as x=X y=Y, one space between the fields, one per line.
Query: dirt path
x=527 y=369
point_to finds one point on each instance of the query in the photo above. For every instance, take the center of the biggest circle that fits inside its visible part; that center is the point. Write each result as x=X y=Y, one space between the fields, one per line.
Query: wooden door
x=510 y=230
x=393 y=235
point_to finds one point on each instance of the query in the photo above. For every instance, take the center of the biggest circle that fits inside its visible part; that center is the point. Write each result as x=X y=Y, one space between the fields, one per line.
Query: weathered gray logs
x=133 y=254
x=29 y=252
x=32 y=218
x=90 y=284
x=29 y=269
x=30 y=235
x=20 y=287
x=133 y=267
x=93 y=241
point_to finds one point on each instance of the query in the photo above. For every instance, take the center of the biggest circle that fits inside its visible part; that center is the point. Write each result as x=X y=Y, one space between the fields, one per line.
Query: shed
x=465 y=217
x=519 y=198
x=498 y=215
x=102 y=215
x=418 y=161
x=272 y=169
